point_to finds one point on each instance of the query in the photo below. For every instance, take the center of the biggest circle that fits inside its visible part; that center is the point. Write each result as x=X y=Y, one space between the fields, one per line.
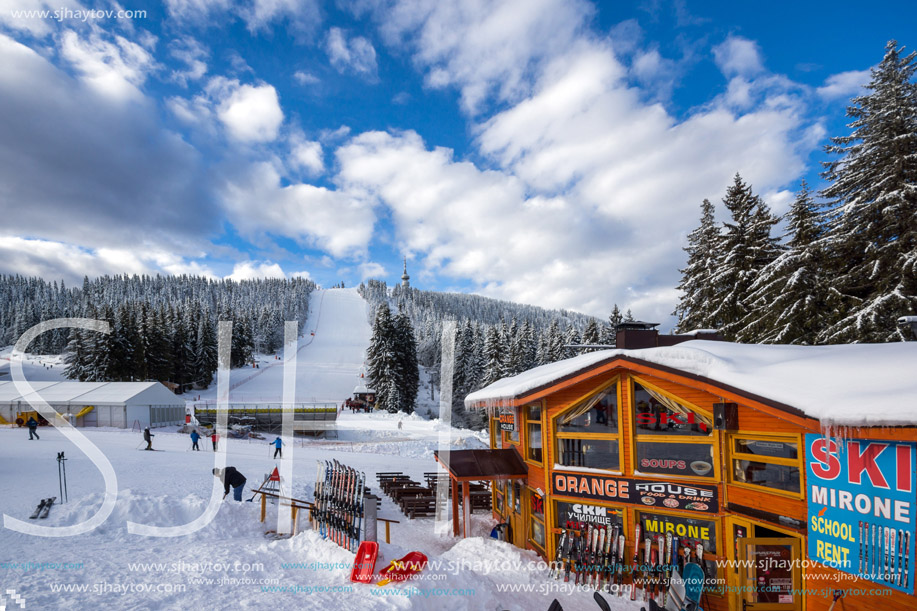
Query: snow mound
x=233 y=519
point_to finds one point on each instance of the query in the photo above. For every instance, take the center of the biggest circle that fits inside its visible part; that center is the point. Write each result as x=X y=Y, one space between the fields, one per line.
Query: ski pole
x=837 y=594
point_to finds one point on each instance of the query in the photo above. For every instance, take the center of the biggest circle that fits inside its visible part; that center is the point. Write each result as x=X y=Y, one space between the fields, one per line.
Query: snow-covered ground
x=229 y=563
x=224 y=565
x=35 y=367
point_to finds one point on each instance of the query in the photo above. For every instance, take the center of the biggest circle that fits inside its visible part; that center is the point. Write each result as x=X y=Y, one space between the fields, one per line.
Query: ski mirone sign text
x=665 y=495
x=861 y=507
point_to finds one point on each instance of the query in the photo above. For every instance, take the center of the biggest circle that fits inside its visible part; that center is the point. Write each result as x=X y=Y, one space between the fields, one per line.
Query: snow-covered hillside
x=329 y=357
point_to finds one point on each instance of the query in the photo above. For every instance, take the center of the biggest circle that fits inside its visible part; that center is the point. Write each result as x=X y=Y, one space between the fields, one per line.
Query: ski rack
x=593 y=554
x=339 y=504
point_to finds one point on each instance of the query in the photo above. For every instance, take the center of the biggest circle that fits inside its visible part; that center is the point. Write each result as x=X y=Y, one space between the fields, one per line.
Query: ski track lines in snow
x=170 y=487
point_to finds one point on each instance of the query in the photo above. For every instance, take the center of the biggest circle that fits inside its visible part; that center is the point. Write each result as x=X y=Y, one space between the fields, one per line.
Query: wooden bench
x=388 y=485
x=415 y=506
x=400 y=493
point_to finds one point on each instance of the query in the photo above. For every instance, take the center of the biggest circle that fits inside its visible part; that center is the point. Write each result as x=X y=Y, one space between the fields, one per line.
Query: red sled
x=365 y=563
x=403 y=568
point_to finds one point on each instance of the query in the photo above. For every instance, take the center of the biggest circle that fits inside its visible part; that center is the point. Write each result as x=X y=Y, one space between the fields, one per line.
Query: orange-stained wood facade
x=749 y=516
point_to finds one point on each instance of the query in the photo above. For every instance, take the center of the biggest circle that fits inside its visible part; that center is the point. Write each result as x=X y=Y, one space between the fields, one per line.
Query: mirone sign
x=861 y=501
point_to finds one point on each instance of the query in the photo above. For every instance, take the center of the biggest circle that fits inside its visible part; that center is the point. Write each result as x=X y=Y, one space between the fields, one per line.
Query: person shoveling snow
x=231 y=477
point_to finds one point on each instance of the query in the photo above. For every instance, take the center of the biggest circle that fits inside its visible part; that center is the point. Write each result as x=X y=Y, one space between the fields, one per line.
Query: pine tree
x=746 y=247
x=591 y=337
x=407 y=373
x=872 y=214
x=380 y=359
x=527 y=348
x=698 y=291
x=75 y=357
x=555 y=343
x=791 y=292
x=493 y=355
x=571 y=338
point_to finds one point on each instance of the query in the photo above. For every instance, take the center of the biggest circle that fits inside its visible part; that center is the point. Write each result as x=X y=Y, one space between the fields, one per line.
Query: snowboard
x=684 y=591
x=694 y=586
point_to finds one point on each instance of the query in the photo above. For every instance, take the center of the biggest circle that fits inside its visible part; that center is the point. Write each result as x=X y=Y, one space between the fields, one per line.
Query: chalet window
x=533 y=439
x=659 y=414
x=537 y=530
x=667 y=458
x=597 y=414
x=509 y=425
x=687 y=529
x=767 y=462
x=587 y=433
x=582 y=513
x=671 y=438
x=594 y=453
x=500 y=496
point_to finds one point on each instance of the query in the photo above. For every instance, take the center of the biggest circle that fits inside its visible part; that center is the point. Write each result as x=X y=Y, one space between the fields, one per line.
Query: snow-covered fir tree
x=698 y=291
x=746 y=247
x=791 y=296
x=872 y=213
x=392 y=361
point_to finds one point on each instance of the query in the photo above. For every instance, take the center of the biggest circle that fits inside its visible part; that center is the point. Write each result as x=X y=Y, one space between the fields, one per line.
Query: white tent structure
x=91 y=404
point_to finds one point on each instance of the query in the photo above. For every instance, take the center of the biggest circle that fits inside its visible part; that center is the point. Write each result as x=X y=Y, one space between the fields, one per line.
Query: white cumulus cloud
x=844 y=84
x=251 y=113
x=256 y=270
x=354 y=55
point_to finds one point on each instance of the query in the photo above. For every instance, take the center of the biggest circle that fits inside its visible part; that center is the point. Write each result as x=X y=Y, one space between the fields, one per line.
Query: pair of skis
x=591 y=553
x=659 y=563
x=44 y=507
x=338 y=512
x=890 y=551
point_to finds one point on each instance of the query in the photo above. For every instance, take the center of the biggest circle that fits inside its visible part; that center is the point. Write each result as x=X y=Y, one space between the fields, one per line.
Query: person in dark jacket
x=33 y=428
x=195 y=437
x=230 y=477
x=148 y=438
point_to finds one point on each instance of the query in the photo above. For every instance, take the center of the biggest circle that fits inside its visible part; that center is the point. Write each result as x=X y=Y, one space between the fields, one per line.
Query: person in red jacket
x=214 y=438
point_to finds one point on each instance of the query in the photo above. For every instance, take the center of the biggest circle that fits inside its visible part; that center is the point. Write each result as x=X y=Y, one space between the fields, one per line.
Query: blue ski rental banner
x=861 y=501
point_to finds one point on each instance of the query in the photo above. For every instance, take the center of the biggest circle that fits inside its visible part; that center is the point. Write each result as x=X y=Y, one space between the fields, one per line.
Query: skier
x=195 y=437
x=278 y=444
x=148 y=438
x=33 y=428
x=214 y=438
x=230 y=477
x=399 y=425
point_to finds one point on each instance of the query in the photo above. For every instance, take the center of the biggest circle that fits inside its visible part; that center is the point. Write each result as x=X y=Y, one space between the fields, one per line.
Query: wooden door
x=769 y=574
x=515 y=513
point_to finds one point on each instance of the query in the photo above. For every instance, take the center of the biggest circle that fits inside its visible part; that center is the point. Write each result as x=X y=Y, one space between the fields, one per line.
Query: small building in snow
x=92 y=404
x=364 y=394
x=795 y=464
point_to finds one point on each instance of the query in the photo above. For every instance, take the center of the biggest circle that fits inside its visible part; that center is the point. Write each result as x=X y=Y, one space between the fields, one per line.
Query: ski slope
x=328 y=363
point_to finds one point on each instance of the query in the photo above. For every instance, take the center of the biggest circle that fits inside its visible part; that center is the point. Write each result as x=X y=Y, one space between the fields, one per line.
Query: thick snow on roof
x=82 y=393
x=846 y=385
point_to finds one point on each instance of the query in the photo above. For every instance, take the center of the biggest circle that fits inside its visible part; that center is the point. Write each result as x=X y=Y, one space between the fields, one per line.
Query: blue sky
x=551 y=152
